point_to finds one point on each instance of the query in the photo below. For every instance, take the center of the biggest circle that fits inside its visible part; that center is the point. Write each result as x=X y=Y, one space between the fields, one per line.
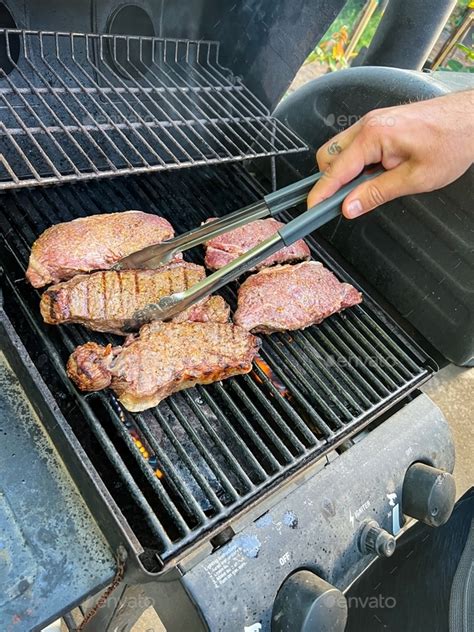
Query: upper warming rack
x=76 y=106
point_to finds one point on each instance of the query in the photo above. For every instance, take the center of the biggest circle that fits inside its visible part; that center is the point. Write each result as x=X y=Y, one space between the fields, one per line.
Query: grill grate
x=222 y=445
x=77 y=106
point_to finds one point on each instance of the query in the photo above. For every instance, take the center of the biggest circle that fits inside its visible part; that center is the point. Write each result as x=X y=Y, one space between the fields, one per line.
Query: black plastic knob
x=306 y=603
x=374 y=539
x=428 y=494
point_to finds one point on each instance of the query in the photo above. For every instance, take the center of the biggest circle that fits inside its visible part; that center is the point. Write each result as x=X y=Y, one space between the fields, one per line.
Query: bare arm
x=423 y=146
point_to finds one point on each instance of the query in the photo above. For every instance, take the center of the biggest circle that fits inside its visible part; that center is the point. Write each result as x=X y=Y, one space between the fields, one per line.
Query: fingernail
x=354 y=208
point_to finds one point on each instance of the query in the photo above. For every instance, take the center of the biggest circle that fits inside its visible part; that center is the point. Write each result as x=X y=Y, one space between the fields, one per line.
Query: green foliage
x=468 y=52
x=454 y=65
x=330 y=50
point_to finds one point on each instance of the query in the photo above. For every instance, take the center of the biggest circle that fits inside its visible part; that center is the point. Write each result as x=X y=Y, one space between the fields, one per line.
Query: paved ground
x=452 y=389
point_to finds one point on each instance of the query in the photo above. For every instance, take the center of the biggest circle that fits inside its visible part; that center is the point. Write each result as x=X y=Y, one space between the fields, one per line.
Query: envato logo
x=375 y=602
x=138 y=602
x=346 y=120
x=357 y=363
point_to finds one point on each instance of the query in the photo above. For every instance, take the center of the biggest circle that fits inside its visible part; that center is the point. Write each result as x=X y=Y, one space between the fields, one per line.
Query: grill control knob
x=306 y=603
x=374 y=539
x=428 y=494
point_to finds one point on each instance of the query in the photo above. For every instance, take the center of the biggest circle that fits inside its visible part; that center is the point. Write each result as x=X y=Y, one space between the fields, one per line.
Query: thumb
x=374 y=193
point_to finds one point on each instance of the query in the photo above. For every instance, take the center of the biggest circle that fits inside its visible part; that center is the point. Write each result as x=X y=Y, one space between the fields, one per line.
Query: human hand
x=423 y=146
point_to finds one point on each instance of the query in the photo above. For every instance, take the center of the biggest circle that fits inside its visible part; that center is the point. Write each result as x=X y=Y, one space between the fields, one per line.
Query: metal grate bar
x=240 y=441
x=205 y=454
x=315 y=351
x=357 y=356
x=261 y=423
x=200 y=479
x=188 y=501
x=327 y=395
x=342 y=355
x=272 y=394
x=80 y=106
x=227 y=101
x=286 y=430
x=222 y=446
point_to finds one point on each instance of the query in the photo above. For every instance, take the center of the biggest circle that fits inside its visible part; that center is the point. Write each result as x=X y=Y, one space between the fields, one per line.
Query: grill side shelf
x=84 y=106
x=55 y=551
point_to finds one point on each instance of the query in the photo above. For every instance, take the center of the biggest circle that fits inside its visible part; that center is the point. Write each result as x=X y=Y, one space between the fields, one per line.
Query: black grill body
x=249 y=479
x=229 y=451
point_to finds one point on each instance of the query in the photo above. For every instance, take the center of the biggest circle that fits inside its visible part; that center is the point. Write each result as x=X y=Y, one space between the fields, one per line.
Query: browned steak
x=162 y=359
x=92 y=243
x=291 y=297
x=225 y=248
x=105 y=301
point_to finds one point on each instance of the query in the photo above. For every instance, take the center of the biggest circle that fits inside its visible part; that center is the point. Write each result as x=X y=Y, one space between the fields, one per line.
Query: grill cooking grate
x=77 y=106
x=221 y=445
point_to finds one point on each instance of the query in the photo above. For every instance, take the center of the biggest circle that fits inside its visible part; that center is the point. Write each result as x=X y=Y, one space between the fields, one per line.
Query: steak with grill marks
x=291 y=297
x=107 y=300
x=223 y=249
x=91 y=243
x=162 y=359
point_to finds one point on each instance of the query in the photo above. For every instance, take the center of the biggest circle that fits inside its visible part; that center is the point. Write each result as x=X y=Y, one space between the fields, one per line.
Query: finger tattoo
x=334 y=148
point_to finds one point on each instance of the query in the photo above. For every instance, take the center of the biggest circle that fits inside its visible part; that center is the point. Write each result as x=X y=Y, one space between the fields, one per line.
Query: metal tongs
x=271 y=205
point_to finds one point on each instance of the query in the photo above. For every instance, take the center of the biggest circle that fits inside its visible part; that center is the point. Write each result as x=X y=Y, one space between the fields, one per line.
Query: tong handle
x=323 y=212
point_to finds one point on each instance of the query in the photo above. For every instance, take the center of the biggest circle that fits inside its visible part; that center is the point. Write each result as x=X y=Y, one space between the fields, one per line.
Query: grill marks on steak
x=107 y=300
x=162 y=359
x=92 y=243
x=291 y=297
x=225 y=248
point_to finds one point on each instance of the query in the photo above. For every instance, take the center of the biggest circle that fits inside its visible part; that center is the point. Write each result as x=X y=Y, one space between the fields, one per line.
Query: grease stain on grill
x=290 y=519
x=329 y=510
x=249 y=544
x=264 y=521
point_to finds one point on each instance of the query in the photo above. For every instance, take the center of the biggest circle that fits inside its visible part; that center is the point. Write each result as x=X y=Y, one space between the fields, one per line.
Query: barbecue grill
x=212 y=504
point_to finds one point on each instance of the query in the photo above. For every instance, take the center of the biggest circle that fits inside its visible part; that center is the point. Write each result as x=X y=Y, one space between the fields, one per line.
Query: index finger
x=362 y=151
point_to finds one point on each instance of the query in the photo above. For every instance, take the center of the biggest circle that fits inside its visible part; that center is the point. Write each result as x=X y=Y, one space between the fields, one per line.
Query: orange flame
x=266 y=369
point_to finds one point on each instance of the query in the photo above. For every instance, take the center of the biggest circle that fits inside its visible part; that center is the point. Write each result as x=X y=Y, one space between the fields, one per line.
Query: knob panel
x=428 y=494
x=374 y=539
x=306 y=603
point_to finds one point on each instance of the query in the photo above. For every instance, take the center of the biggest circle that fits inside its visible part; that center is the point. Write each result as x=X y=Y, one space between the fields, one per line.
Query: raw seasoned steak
x=225 y=248
x=107 y=300
x=162 y=359
x=291 y=297
x=92 y=243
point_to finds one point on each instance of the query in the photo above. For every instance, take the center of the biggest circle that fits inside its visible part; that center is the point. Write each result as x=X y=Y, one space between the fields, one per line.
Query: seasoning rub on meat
x=225 y=248
x=162 y=359
x=91 y=243
x=107 y=300
x=291 y=297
